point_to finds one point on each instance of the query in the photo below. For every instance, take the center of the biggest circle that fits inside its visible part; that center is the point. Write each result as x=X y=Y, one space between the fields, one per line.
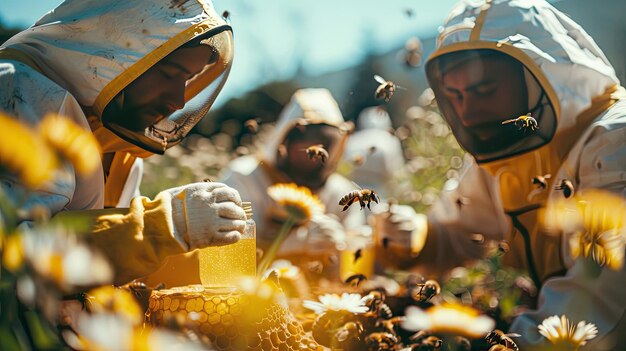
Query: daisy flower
x=560 y=332
x=351 y=303
x=448 y=318
x=297 y=201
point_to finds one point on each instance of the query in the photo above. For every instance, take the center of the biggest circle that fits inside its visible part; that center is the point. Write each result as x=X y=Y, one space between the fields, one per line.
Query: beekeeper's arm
x=442 y=238
x=587 y=292
x=137 y=239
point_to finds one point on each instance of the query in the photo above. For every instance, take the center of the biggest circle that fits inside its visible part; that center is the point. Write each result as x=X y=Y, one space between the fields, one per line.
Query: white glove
x=323 y=234
x=400 y=228
x=206 y=214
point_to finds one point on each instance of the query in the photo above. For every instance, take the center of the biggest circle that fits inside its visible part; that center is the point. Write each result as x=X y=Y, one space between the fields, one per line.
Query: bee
x=504 y=247
x=317 y=152
x=381 y=341
x=409 y=12
x=389 y=325
x=430 y=343
x=497 y=337
x=426 y=291
x=413 y=52
x=525 y=122
x=386 y=242
x=357 y=254
x=358 y=160
x=252 y=125
x=350 y=330
x=541 y=181
x=567 y=187
x=226 y=15
x=386 y=89
x=375 y=301
x=355 y=279
x=362 y=196
x=135 y=287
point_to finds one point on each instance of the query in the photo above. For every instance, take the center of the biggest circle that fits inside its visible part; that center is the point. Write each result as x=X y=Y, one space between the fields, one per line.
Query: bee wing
x=380 y=79
x=357 y=185
x=513 y=335
x=400 y=87
x=509 y=121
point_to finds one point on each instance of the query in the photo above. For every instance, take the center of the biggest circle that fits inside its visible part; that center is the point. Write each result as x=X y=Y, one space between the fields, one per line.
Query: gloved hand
x=322 y=235
x=399 y=229
x=206 y=214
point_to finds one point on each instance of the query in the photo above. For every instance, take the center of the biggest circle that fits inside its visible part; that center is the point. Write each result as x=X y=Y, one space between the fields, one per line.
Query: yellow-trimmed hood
x=94 y=49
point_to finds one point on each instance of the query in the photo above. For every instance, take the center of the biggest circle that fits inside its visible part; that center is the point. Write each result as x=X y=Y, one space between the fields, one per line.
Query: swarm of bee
x=525 y=122
x=386 y=89
x=317 y=152
x=362 y=196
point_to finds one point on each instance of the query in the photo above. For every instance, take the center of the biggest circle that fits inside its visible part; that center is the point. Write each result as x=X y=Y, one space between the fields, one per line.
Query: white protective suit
x=76 y=61
x=587 y=146
x=252 y=176
x=375 y=154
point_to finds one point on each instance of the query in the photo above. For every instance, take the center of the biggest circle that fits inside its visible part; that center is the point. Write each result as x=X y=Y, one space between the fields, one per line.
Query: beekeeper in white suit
x=138 y=74
x=496 y=61
x=311 y=117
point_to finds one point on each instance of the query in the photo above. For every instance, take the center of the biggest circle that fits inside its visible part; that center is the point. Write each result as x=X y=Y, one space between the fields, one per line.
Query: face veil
x=490 y=139
x=201 y=90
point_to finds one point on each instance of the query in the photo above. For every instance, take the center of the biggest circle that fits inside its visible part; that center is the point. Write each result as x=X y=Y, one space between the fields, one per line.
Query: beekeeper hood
x=94 y=49
x=563 y=69
x=309 y=108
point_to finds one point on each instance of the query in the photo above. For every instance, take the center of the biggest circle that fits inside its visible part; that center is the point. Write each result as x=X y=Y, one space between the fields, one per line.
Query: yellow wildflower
x=449 y=318
x=76 y=144
x=297 y=201
x=24 y=153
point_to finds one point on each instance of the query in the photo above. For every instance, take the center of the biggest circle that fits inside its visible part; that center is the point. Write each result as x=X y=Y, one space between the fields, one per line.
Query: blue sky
x=275 y=37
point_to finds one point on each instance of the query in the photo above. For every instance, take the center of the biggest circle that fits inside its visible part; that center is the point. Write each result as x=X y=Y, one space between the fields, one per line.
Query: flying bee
x=567 y=187
x=426 y=291
x=386 y=89
x=357 y=254
x=497 y=337
x=413 y=52
x=525 y=122
x=317 y=152
x=541 y=181
x=355 y=279
x=226 y=15
x=252 y=125
x=362 y=196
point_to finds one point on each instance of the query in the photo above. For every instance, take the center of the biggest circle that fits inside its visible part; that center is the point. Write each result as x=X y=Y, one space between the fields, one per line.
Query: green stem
x=268 y=258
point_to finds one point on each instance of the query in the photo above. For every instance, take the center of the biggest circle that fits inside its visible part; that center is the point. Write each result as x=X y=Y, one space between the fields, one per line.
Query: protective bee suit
x=375 y=153
x=77 y=61
x=252 y=175
x=576 y=99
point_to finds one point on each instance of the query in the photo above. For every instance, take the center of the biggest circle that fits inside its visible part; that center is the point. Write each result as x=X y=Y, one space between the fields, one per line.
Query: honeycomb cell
x=235 y=309
x=222 y=342
x=166 y=303
x=174 y=305
x=214 y=318
x=231 y=301
x=191 y=305
x=219 y=330
x=221 y=308
x=209 y=306
x=254 y=340
x=216 y=300
x=202 y=317
x=199 y=304
x=227 y=320
x=152 y=304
